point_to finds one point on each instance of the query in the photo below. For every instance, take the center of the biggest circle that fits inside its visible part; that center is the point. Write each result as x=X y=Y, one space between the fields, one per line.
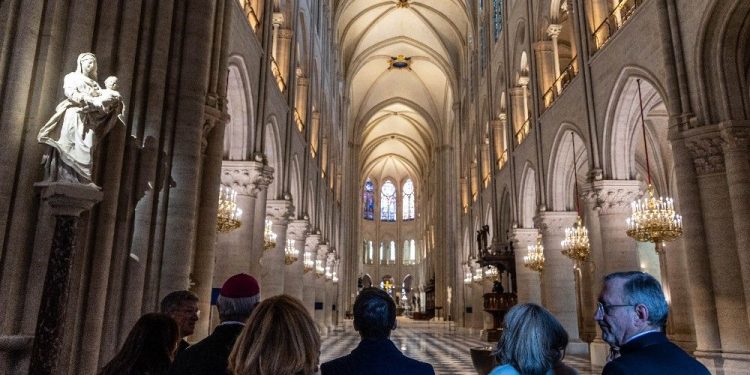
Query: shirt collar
x=641 y=334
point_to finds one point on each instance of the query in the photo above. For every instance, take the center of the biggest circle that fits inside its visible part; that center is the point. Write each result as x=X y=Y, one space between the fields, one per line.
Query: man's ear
x=641 y=313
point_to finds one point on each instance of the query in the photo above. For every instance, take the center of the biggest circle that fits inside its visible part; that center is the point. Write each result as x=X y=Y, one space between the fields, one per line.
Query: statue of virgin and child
x=80 y=122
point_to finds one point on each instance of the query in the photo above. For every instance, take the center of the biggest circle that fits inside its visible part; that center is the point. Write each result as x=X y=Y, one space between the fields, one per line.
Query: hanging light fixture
x=535 y=258
x=308 y=262
x=576 y=243
x=269 y=237
x=491 y=273
x=467 y=277
x=478 y=276
x=228 y=215
x=320 y=269
x=291 y=254
x=652 y=220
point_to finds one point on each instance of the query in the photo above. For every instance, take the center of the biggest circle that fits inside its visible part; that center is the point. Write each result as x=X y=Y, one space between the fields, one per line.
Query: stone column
x=528 y=281
x=308 y=279
x=320 y=292
x=283 y=53
x=737 y=160
x=233 y=255
x=545 y=57
x=705 y=144
x=329 y=299
x=517 y=106
x=300 y=104
x=293 y=273
x=66 y=202
x=259 y=219
x=272 y=272
x=558 y=279
x=554 y=31
x=612 y=199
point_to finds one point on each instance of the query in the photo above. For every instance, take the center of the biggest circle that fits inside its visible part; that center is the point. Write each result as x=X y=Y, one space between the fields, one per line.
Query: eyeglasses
x=189 y=312
x=605 y=309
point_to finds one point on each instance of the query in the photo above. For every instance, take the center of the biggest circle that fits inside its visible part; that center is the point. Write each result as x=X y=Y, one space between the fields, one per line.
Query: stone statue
x=79 y=123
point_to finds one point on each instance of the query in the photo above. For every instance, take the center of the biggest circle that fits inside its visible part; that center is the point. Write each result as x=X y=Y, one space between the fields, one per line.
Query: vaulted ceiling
x=401 y=114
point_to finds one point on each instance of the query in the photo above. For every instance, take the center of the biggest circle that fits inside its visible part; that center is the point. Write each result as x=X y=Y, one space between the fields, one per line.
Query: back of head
x=173 y=301
x=280 y=338
x=642 y=288
x=532 y=341
x=238 y=297
x=149 y=347
x=374 y=314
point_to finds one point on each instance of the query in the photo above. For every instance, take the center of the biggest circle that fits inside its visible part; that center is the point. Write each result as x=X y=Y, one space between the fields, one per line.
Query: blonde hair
x=279 y=339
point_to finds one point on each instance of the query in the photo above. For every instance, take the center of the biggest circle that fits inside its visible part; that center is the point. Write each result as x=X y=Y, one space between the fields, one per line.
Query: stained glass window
x=369 y=200
x=408 y=200
x=388 y=201
x=497 y=17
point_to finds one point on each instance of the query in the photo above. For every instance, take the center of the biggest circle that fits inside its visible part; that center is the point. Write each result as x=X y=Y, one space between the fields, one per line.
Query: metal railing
x=298 y=120
x=277 y=74
x=557 y=88
x=614 y=21
x=502 y=160
x=523 y=131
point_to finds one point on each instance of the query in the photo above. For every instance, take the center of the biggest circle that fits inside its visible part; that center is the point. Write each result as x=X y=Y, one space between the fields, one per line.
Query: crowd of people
x=277 y=336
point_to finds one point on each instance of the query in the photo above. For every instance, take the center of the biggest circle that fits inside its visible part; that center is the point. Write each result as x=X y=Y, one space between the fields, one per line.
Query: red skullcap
x=240 y=286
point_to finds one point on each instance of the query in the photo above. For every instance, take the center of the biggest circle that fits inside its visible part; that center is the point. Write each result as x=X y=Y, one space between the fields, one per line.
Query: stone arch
x=240 y=133
x=560 y=183
x=723 y=62
x=623 y=155
x=273 y=150
x=528 y=196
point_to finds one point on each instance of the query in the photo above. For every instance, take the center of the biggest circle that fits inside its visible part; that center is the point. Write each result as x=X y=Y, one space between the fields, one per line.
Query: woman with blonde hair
x=279 y=339
x=532 y=343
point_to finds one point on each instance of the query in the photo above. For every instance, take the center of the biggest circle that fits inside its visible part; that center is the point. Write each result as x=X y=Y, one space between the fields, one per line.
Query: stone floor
x=438 y=343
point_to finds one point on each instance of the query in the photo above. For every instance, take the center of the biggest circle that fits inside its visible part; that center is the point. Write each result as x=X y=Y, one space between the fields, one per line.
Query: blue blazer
x=654 y=354
x=376 y=357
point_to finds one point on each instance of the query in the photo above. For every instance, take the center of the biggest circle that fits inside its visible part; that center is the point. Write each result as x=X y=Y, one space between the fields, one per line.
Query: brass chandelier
x=308 y=262
x=228 y=215
x=652 y=220
x=576 y=244
x=269 y=237
x=534 y=260
x=291 y=254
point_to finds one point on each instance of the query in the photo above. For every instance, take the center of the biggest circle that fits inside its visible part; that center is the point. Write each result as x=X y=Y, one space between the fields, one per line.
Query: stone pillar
x=737 y=160
x=517 y=106
x=300 y=104
x=293 y=273
x=545 y=57
x=66 y=202
x=320 y=292
x=554 y=31
x=477 y=293
x=558 y=279
x=330 y=293
x=272 y=272
x=233 y=255
x=705 y=144
x=283 y=53
x=528 y=281
x=259 y=220
x=308 y=279
x=612 y=199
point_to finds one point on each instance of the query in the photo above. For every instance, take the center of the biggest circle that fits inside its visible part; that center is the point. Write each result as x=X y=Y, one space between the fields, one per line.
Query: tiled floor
x=443 y=346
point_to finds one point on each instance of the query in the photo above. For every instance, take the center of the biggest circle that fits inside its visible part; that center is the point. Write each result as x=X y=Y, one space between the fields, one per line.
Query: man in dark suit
x=182 y=306
x=374 y=319
x=632 y=313
x=238 y=297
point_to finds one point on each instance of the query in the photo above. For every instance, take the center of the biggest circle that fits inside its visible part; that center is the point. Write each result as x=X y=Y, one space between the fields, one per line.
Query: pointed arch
x=528 y=196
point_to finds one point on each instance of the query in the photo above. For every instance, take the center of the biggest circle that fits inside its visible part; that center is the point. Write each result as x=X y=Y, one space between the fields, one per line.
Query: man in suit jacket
x=238 y=297
x=632 y=313
x=374 y=319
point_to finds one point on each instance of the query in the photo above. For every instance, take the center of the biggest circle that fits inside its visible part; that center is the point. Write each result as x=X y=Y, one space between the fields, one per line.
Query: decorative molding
x=554 y=30
x=279 y=211
x=707 y=153
x=554 y=222
x=609 y=195
x=297 y=230
x=523 y=236
x=311 y=243
x=246 y=177
x=736 y=137
x=323 y=251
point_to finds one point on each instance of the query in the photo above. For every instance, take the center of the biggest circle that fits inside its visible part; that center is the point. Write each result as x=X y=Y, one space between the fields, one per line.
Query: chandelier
x=652 y=220
x=576 y=243
x=228 y=215
x=308 y=262
x=335 y=278
x=320 y=270
x=328 y=273
x=269 y=237
x=467 y=278
x=291 y=254
x=478 y=276
x=491 y=273
x=535 y=258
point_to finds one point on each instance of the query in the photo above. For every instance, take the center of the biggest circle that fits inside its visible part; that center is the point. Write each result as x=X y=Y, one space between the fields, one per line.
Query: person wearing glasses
x=632 y=314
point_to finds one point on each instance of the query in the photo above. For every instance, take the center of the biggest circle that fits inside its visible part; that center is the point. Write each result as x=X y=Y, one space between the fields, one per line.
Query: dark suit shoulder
x=661 y=358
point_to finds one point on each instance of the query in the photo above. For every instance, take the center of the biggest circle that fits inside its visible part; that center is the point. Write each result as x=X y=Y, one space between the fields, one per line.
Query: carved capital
x=609 y=195
x=279 y=211
x=736 y=136
x=311 y=243
x=550 y=222
x=297 y=230
x=246 y=177
x=323 y=250
x=522 y=237
x=705 y=146
x=554 y=30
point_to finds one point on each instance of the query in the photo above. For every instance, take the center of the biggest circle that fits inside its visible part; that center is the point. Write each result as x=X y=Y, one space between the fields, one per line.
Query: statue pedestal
x=66 y=202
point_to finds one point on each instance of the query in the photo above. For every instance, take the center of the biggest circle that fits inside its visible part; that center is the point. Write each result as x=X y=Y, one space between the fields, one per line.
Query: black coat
x=209 y=356
x=376 y=357
x=654 y=354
